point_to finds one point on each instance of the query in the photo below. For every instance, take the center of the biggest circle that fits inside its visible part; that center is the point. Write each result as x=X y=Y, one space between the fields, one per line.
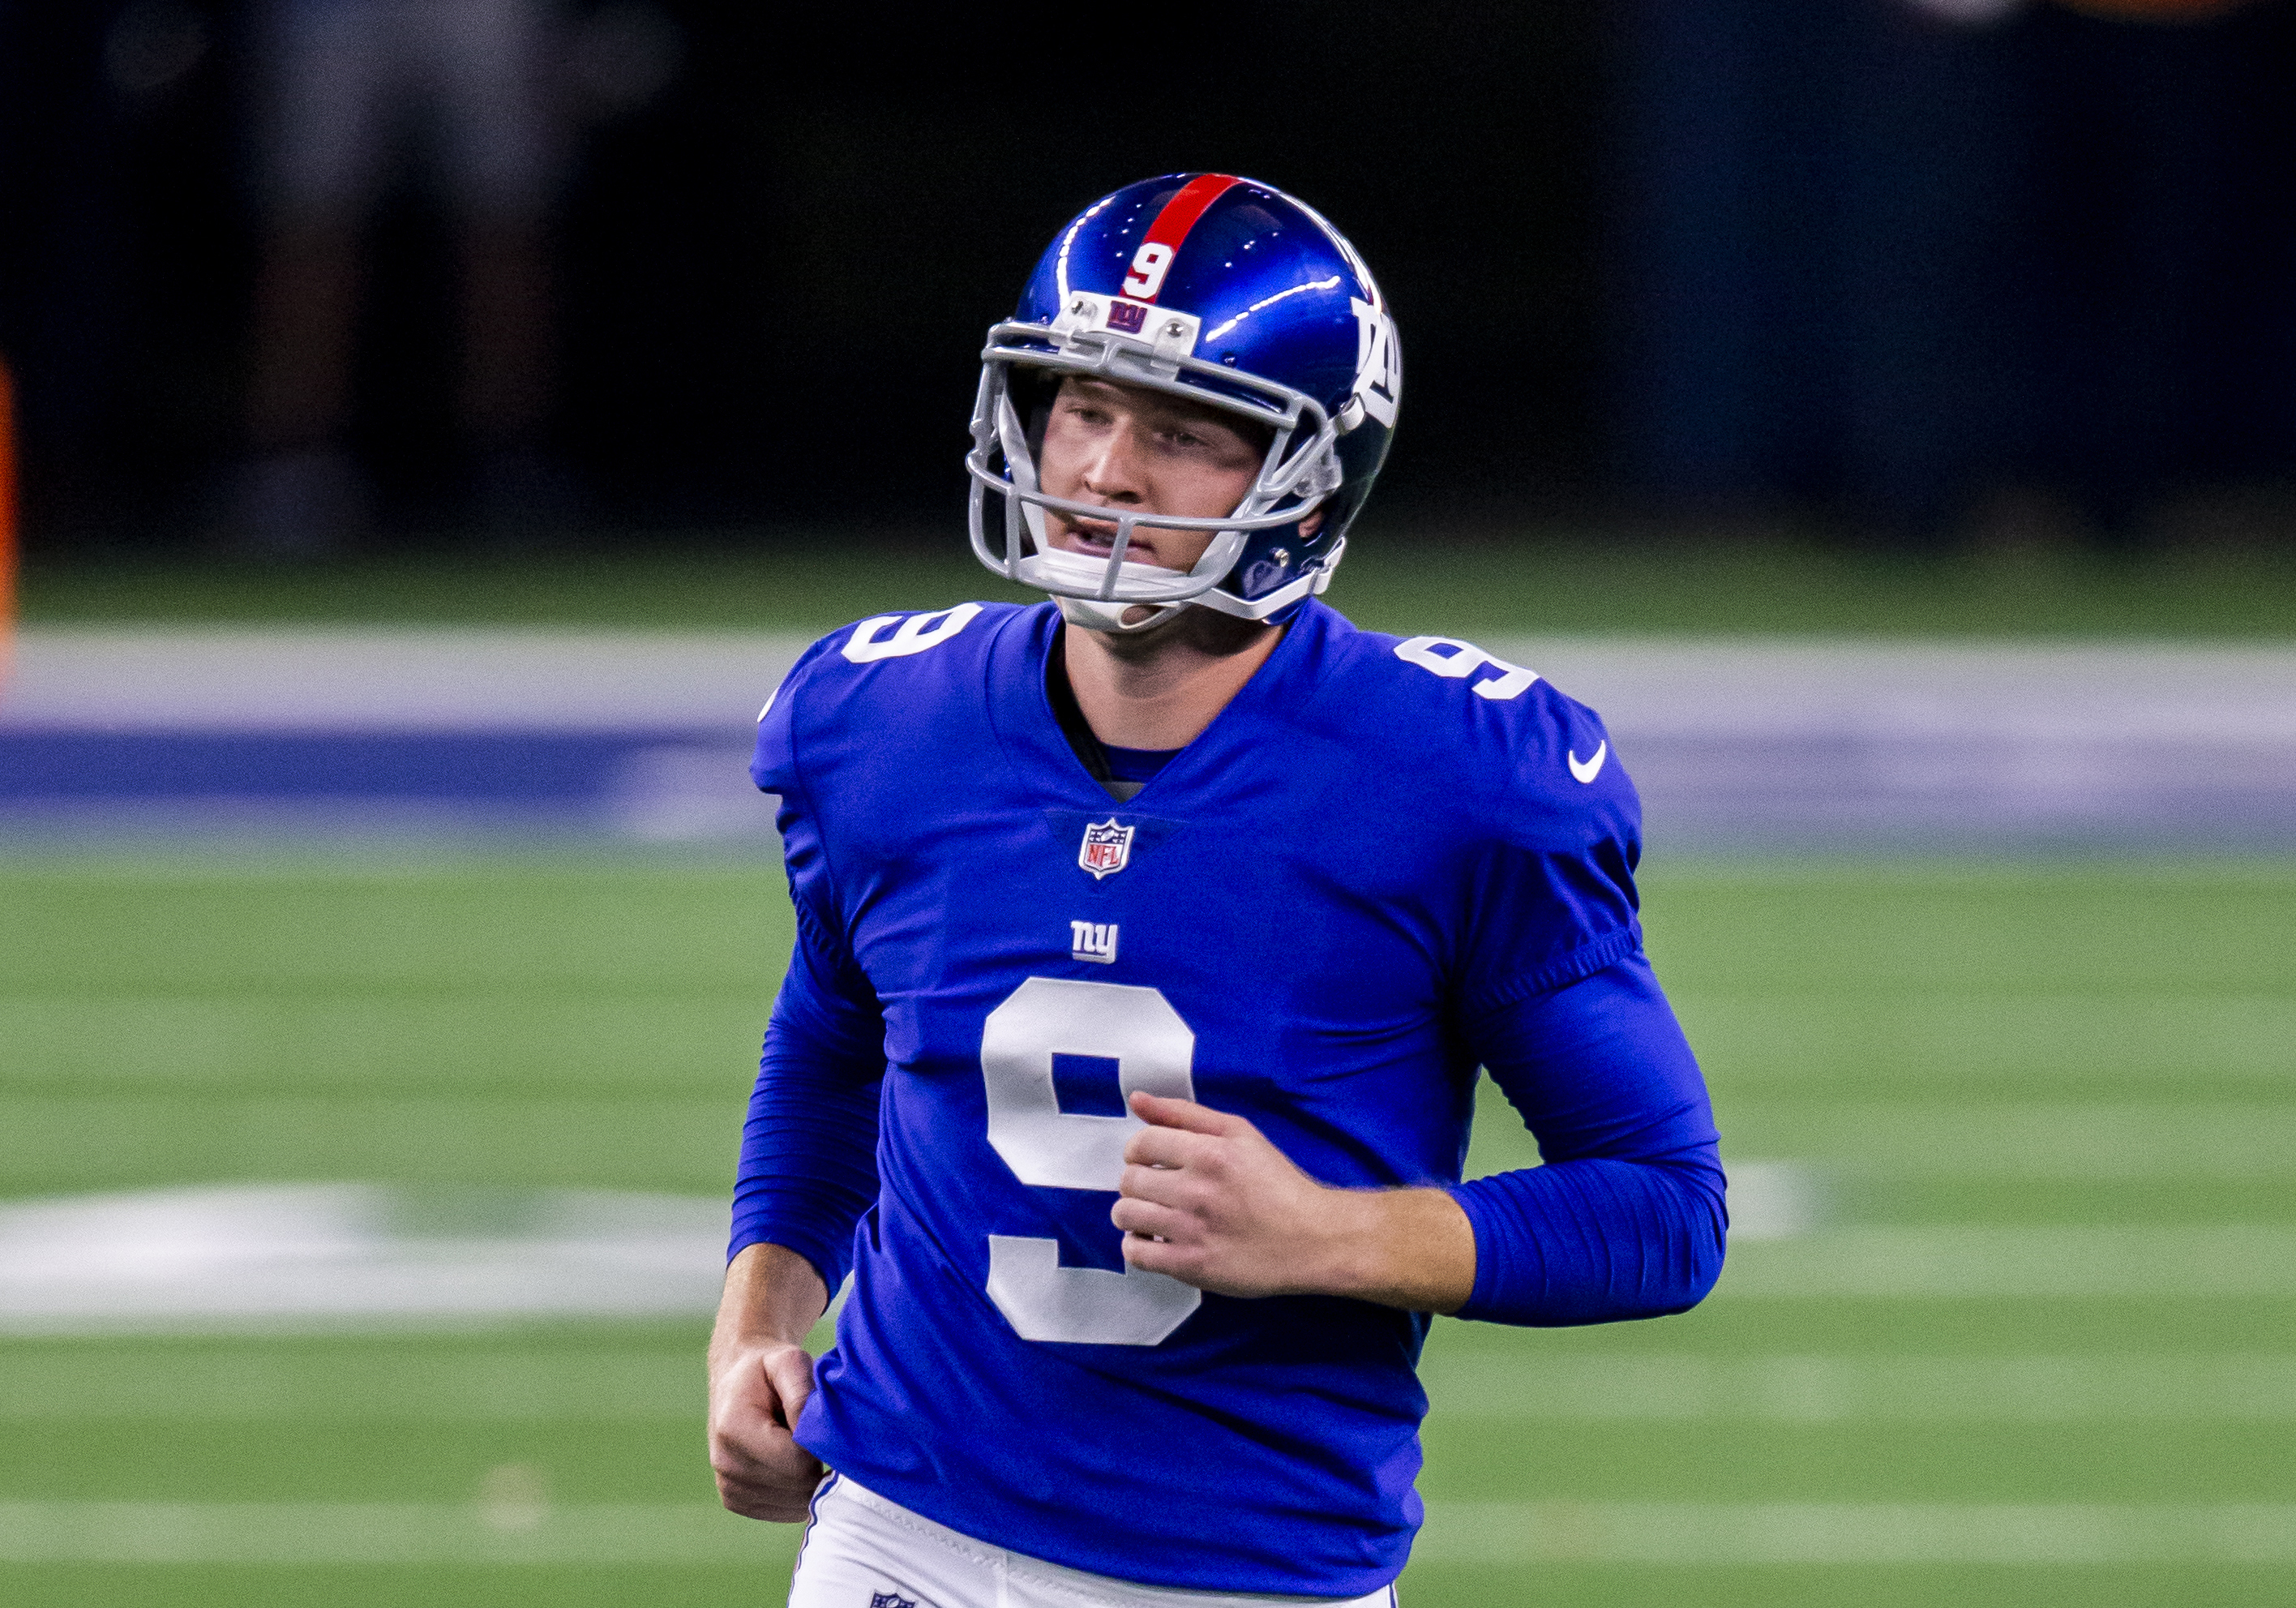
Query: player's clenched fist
x=760 y=1378
x=755 y=1397
x=1207 y=1198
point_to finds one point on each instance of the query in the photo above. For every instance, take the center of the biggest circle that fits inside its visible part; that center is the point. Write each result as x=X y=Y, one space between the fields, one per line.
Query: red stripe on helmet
x=1190 y=202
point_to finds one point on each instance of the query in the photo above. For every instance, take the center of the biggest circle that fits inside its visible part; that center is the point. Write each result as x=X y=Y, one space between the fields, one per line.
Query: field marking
x=1972 y=1260
x=1856 y=1532
x=510 y=1530
x=1814 y=1389
x=2027 y=1139
x=506 y=1531
x=336 y=1255
x=521 y=1385
x=41 y=1382
x=433 y=678
x=1758 y=1040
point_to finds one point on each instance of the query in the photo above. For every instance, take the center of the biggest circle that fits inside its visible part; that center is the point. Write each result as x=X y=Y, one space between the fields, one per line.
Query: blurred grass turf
x=1393 y=579
x=561 y=1020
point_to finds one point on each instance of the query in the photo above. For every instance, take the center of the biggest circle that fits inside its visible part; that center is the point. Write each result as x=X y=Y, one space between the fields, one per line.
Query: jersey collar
x=1236 y=750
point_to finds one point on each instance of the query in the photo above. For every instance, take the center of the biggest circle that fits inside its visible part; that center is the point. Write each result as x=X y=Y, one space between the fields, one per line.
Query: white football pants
x=862 y=1551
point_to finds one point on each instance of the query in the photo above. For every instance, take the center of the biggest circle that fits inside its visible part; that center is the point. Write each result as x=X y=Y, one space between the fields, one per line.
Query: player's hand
x=1207 y=1198
x=760 y=1378
x=755 y=1394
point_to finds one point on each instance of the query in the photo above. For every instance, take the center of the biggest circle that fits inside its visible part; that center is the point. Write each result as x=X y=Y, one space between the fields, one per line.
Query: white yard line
x=337 y=1255
x=519 y=1385
x=2118 y=1042
x=260 y=1382
x=1457 y=1532
x=1820 y=1390
x=383 y=1532
x=442 y=680
x=1856 y=1532
x=1732 y=744
x=1969 y=1260
x=2026 y=1139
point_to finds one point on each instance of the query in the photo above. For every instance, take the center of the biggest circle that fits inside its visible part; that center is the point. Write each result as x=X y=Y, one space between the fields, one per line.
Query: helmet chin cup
x=1077 y=581
x=1088 y=614
x=1080 y=575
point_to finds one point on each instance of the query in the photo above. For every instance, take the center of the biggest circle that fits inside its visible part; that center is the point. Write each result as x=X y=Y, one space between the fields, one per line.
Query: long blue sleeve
x=808 y=1166
x=1625 y=1219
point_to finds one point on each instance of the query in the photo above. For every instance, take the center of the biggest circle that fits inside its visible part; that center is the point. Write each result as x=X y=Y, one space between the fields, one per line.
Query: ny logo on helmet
x=1379 y=373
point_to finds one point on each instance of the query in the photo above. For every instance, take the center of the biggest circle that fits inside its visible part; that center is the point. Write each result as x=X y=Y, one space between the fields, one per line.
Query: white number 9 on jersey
x=1048 y=1148
x=1451 y=659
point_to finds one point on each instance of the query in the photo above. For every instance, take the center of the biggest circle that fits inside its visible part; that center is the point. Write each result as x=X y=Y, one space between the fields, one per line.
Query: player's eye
x=1203 y=444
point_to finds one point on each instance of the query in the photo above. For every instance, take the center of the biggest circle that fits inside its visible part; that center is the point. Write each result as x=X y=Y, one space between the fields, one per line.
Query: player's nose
x=1117 y=470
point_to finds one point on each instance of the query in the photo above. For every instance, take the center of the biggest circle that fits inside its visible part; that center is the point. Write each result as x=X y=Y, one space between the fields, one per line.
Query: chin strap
x=1090 y=614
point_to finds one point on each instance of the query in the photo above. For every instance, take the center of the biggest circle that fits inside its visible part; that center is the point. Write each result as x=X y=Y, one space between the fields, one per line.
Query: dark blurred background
x=1921 y=272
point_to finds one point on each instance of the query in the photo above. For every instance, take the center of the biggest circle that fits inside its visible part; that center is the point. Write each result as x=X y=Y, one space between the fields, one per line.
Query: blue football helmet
x=1223 y=291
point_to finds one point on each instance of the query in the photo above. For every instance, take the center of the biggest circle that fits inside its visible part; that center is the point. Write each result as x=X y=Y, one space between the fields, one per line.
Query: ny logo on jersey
x=890 y=1599
x=1106 y=849
x=1093 y=940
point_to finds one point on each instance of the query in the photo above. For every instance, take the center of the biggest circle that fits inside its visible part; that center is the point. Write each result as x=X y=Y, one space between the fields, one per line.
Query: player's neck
x=1162 y=690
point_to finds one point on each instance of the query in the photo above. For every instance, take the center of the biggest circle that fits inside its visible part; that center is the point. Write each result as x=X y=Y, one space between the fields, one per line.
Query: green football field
x=2013 y=1326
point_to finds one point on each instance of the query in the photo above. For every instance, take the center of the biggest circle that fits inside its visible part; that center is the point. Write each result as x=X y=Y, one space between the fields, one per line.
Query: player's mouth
x=1097 y=538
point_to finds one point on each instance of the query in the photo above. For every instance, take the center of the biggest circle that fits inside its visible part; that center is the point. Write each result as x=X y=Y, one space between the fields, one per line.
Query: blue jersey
x=1295 y=919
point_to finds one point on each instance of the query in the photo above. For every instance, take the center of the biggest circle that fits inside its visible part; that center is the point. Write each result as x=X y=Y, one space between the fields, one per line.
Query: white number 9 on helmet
x=1148 y=265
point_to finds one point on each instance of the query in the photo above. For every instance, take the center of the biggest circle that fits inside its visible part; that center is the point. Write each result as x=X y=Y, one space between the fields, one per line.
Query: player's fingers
x=737 y=1466
x=1163 y=1111
x=1166 y=1185
x=745 y=1407
x=766 y=1464
x=739 y=1423
x=1159 y=1256
x=1147 y=1218
x=741 y=1439
x=782 y=1500
x=1169 y=1147
x=789 y=1375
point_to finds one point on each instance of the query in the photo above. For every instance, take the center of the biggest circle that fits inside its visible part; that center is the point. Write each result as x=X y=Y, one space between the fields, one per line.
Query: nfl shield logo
x=890 y=1599
x=1106 y=847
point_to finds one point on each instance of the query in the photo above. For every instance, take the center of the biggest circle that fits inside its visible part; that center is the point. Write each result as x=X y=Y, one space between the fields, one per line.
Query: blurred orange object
x=2155 y=11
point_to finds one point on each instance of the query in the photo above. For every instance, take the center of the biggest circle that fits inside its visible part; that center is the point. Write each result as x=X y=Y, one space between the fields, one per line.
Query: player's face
x=1125 y=447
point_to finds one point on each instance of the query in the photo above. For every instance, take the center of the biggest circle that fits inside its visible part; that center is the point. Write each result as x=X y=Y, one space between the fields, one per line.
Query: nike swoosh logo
x=1587 y=770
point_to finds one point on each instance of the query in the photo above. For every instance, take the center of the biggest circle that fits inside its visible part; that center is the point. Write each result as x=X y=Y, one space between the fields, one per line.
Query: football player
x=1150 y=940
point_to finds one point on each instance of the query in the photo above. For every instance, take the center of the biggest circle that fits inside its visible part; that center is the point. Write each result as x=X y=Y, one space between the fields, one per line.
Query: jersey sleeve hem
x=829 y=1267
